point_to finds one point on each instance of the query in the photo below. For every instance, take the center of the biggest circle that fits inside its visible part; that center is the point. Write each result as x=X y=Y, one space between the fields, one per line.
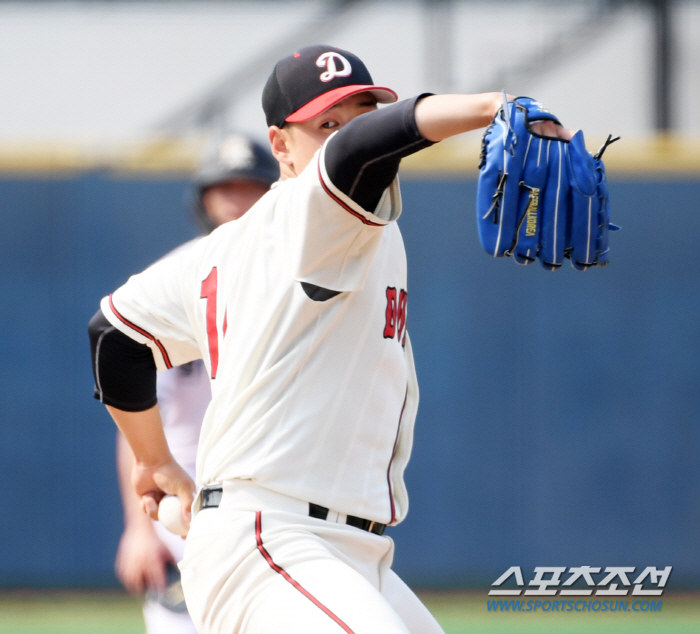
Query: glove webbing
x=497 y=195
x=609 y=141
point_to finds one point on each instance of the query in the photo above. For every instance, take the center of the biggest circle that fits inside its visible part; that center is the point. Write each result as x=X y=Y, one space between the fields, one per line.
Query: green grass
x=69 y=613
x=458 y=613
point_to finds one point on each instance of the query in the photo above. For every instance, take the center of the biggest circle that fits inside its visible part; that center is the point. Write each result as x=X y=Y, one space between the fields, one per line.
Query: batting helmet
x=230 y=156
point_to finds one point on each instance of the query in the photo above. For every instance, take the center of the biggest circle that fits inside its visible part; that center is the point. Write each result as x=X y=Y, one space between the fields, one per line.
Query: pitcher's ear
x=279 y=144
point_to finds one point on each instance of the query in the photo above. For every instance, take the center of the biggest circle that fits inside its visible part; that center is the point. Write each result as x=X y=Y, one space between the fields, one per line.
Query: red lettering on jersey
x=395 y=322
x=401 y=318
x=390 y=325
x=209 y=289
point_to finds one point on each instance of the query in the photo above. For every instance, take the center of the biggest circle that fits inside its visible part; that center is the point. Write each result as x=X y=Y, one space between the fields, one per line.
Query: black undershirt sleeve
x=363 y=158
x=124 y=370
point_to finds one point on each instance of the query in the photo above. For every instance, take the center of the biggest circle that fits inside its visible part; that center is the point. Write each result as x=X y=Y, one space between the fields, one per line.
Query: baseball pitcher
x=299 y=311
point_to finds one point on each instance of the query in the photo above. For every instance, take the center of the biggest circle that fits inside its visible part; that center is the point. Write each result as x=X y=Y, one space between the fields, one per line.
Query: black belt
x=211 y=498
x=321 y=512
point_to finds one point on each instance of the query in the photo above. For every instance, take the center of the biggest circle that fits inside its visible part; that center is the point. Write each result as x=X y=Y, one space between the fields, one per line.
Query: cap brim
x=332 y=97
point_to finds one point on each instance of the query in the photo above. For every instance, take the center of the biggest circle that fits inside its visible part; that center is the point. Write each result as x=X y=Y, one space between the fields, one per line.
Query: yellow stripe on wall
x=455 y=157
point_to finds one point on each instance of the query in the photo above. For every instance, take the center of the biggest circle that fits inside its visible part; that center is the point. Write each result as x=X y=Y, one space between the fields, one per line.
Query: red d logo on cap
x=332 y=71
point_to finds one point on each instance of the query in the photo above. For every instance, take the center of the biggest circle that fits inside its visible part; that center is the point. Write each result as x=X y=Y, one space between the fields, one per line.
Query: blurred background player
x=233 y=174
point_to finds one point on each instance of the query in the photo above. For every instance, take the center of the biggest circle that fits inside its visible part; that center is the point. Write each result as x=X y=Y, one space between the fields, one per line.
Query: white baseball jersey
x=312 y=399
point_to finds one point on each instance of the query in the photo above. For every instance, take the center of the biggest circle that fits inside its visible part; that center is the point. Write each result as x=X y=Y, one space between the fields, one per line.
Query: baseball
x=170 y=515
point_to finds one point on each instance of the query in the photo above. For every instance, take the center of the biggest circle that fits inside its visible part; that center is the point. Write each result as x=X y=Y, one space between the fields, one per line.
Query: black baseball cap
x=313 y=79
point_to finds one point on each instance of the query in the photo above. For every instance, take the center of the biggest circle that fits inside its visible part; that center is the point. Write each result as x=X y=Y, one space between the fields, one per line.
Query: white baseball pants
x=258 y=564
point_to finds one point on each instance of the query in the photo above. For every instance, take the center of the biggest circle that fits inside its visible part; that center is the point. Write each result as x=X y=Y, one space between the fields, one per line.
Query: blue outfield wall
x=558 y=423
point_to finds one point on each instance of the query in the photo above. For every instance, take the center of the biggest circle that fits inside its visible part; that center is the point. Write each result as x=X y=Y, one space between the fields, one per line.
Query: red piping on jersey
x=287 y=577
x=141 y=331
x=393 y=453
x=342 y=204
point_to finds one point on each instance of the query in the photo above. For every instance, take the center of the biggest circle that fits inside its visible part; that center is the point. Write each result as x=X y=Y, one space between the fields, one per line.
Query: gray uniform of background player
x=233 y=173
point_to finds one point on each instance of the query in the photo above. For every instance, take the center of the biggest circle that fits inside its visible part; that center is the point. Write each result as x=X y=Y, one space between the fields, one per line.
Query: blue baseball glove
x=541 y=197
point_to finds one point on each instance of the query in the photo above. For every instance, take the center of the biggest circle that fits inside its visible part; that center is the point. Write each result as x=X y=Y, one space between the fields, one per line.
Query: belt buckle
x=211 y=496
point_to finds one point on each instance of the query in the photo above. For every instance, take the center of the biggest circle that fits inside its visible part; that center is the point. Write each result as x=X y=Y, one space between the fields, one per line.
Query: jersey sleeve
x=363 y=158
x=151 y=308
x=330 y=240
x=336 y=210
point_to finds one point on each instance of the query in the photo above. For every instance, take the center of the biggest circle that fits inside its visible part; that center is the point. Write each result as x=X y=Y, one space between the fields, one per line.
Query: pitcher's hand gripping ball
x=170 y=515
x=541 y=197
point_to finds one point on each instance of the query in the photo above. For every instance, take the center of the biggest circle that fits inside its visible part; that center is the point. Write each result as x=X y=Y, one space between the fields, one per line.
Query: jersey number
x=209 y=288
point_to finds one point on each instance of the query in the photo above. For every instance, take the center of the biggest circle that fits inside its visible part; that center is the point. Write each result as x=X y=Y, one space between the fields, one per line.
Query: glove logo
x=531 y=212
x=332 y=71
